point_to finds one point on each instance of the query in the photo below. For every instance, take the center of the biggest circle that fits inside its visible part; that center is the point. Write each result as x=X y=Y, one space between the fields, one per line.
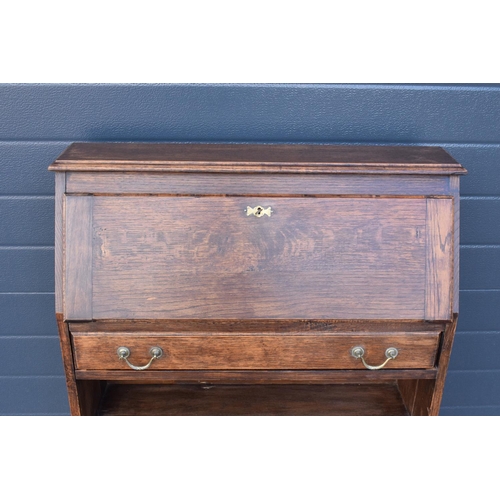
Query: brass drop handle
x=124 y=353
x=358 y=353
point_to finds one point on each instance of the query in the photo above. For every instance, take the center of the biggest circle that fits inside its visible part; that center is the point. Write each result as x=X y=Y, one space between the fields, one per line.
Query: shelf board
x=249 y=400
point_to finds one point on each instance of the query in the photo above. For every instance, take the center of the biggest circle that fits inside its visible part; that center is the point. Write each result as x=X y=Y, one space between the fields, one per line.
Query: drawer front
x=254 y=352
x=161 y=257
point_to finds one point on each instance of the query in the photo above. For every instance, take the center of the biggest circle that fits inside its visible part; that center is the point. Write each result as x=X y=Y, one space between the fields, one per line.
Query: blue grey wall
x=38 y=121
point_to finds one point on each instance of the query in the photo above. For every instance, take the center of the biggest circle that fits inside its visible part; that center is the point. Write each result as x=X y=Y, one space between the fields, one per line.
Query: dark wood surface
x=369 y=399
x=255 y=157
x=439 y=259
x=257 y=376
x=253 y=326
x=256 y=184
x=423 y=397
x=84 y=396
x=417 y=395
x=408 y=389
x=422 y=405
x=205 y=258
x=240 y=352
x=165 y=253
x=78 y=257
x=68 y=364
x=444 y=361
x=59 y=247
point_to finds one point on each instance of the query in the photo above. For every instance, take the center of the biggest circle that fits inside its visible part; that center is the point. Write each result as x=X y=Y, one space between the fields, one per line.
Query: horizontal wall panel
x=483 y=169
x=279 y=113
x=27 y=314
x=469 y=388
x=478 y=221
x=470 y=411
x=23 y=167
x=30 y=356
x=27 y=270
x=26 y=221
x=479 y=311
x=479 y=268
x=33 y=396
x=476 y=351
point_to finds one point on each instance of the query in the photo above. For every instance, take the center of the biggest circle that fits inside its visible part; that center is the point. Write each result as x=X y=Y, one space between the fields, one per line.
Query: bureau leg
x=83 y=395
x=423 y=397
x=69 y=370
x=444 y=361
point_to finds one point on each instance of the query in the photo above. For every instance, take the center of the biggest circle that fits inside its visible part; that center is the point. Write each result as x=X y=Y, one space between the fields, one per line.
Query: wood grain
x=69 y=368
x=380 y=399
x=60 y=182
x=83 y=395
x=423 y=398
x=292 y=158
x=362 y=248
x=253 y=326
x=444 y=361
x=254 y=184
x=315 y=258
x=407 y=389
x=239 y=352
x=78 y=293
x=256 y=376
x=439 y=259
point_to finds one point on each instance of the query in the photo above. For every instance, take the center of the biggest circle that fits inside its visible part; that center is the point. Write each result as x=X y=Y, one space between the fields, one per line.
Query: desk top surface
x=286 y=158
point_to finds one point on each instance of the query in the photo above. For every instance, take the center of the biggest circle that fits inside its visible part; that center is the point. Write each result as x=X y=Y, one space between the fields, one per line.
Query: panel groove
x=479 y=246
x=261 y=112
x=7 y=377
x=27 y=247
x=493 y=370
x=471 y=406
x=29 y=337
x=25 y=197
x=468 y=332
x=65 y=143
x=482 y=198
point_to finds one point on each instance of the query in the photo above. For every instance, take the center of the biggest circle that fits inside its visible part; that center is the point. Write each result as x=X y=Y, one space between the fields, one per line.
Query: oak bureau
x=262 y=279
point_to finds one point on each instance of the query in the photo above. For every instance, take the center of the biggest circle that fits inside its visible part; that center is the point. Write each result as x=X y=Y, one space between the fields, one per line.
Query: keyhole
x=259 y=210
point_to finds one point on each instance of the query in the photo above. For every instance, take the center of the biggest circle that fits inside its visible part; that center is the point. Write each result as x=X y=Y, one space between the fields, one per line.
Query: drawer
x=213 y=257
x=98 y=351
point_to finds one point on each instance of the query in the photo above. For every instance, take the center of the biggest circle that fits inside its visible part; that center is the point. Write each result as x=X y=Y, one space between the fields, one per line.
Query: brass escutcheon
x=259 y=211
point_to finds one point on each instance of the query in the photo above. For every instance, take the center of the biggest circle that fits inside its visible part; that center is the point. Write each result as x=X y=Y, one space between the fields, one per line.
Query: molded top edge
x=226 y=157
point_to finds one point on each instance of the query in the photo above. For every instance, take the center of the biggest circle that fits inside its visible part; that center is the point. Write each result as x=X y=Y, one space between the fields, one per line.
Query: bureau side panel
x=455 y=186
x=60 y=178
x=78 y=255
x=315 y=258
